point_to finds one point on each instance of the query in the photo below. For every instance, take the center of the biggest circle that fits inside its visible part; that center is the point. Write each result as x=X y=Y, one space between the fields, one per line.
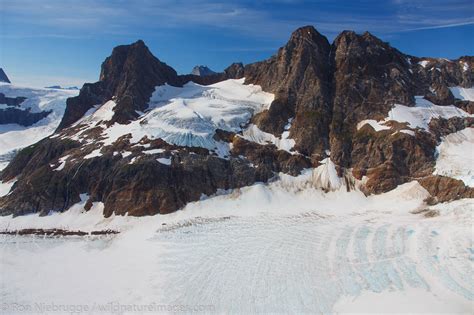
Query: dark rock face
x=130 y=75
x=441 y=127
x=326 y=89
x=11 y=101
x=3 y=76
x=144 y=187
x=446 y=188
x=390 y=159
x=300 y=77
x=442 y=72
x=21 y=117
x=369 y=77
x=91 y=94
x=15 y=115
x=466 y=106
x=269 y=159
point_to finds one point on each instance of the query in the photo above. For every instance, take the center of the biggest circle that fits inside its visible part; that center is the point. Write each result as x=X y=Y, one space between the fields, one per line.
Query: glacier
x=14 y=137
x=189 y=115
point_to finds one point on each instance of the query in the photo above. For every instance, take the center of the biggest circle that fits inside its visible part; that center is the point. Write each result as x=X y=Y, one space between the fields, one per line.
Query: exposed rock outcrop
x=21 y=117
x=15 y=115
x=446 y=188
x=130 y=75
x=11 y=101
x=300 y=76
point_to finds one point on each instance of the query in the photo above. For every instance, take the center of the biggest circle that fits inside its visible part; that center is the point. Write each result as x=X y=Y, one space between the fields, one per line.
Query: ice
x=5 y=187
x=254 y=134
x=465 y=66
x=408 y=132
x=93 y=154
x=154 y=151
x=373 y=123
x=62 y=163
x=465 y=94
x=278 y=248
x=325 y=176
x=165 y=161
x=421 y=114
x=423 y=63
x=456 y=156
x=188 y=116
x=14 y=137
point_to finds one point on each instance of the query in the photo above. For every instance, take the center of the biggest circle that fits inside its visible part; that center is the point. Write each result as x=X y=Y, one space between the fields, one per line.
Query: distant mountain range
x=58 y=87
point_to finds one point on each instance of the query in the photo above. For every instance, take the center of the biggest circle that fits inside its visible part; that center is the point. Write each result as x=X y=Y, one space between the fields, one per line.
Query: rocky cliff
x=142 y=141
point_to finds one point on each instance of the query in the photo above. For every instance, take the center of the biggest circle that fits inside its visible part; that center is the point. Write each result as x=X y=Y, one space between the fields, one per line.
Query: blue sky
x=45 y=42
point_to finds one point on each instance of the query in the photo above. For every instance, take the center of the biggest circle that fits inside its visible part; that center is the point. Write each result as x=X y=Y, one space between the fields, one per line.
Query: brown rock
x=446 y=188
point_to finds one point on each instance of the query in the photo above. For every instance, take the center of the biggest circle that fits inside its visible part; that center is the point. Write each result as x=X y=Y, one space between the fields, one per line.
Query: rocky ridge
x=322 y=92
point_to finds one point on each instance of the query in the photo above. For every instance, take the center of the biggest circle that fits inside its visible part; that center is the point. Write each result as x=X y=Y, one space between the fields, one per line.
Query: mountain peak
x=366 y=38
x=129 y=75
x=3 y=77
x=202 y=71
x=308 y=34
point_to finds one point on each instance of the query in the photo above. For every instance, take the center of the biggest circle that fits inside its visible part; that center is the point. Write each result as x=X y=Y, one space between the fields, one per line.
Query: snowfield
x=188 y=116
x=284 y=247
x=421 y=114
x=14 y=137
x=456 y=156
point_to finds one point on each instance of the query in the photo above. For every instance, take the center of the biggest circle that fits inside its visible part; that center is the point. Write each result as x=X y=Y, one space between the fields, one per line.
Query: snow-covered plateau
x=282 y=247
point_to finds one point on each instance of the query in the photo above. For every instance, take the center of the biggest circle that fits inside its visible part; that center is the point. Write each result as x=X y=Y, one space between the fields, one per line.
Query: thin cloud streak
x=439 y=26
x=72 y=19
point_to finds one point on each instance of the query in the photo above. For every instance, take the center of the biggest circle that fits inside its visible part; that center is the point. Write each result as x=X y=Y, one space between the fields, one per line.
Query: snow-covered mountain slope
x=254 y=134
x=281 y=247
x=13 y=136
x=418 y=116
x=187 y=116
x=456 y=156
x=465 y=94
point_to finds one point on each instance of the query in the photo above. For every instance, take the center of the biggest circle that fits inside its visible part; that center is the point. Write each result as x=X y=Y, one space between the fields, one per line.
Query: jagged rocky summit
x=145 y=140
x=202 y=71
